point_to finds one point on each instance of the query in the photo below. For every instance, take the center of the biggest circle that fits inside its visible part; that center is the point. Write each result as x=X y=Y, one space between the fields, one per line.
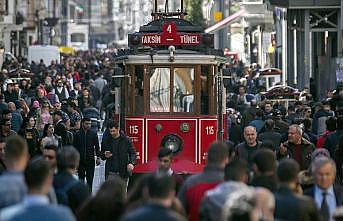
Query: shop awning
x=225 y=21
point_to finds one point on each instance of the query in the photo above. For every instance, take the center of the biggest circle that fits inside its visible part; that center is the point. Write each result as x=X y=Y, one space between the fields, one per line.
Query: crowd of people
x=280 y=161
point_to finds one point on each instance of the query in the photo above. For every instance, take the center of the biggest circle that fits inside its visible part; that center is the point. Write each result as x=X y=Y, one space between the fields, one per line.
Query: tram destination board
x=168 y=36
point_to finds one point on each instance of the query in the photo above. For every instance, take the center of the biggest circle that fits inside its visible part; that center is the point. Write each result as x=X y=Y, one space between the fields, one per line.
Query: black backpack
x=62 y=193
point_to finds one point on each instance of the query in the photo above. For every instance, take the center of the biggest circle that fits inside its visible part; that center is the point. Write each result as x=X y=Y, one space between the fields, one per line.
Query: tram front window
x=183 y=92
x=160 y=90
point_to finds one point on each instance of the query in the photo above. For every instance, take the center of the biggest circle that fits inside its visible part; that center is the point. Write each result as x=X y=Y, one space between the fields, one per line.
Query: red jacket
x=321 y=139
x=194 y=188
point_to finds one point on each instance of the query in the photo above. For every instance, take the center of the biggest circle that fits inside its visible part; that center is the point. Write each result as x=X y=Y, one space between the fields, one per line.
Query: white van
x=46 y=52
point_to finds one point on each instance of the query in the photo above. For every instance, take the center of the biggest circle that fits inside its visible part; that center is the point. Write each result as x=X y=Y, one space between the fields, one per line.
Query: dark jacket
x=32 y=138
x=267 y=181
x=337 y=189
x=281 y=126
x=318 y=123
x=63 y=95
x=153 y=212
x=2 y=166
x=194 y=188
x=127 y=154
x=292 y=207
x=61 y=130
x=272 y=136
x=306 y=150
x=87 y=143
x=338 y=157
x=242 y=151
x=77 y=194
x=331 y=141
x=248 y=116
x=258 y=124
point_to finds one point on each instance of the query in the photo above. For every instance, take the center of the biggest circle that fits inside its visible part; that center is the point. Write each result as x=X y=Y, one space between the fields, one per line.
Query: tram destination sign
x=170 y=36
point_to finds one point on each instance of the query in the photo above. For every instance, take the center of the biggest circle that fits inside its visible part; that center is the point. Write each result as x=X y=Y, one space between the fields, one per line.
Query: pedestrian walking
x=86 y=142
x=119 y=153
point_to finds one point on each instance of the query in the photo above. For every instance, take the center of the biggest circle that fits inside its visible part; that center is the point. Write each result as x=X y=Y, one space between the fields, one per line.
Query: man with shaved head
x=247 y=149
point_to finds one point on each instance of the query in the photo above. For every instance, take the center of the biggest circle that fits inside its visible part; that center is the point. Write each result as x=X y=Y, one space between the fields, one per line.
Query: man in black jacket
x=290 y=206
x=119 y=153
x=264 y=166
x=247 y=149
x=60 y=127
x=270 y=134
x=86 y=142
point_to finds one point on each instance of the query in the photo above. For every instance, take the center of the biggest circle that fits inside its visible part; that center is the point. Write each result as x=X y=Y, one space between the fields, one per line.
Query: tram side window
x=159 y=89
x=139 y=101
x=183 y=93
x=204 y=105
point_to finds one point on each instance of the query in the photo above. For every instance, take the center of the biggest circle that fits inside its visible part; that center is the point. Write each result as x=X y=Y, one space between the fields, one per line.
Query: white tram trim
x=179 y=59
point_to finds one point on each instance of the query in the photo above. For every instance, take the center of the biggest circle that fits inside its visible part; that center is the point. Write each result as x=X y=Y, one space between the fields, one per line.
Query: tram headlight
x=171 y=50
x=172 y=142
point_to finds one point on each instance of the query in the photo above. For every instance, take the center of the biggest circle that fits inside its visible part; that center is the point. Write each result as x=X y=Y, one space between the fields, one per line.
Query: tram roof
x=180 y=57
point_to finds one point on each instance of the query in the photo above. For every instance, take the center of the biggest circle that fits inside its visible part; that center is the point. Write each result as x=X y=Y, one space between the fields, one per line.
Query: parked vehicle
x=46 y=52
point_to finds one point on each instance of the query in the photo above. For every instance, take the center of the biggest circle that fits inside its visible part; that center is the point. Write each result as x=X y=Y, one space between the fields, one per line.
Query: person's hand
x=108 y=154
x=283 y=149
x=130 y=167
x=98 y=161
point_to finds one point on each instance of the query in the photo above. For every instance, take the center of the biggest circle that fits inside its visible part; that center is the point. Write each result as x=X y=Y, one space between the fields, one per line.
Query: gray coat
x=214 y=200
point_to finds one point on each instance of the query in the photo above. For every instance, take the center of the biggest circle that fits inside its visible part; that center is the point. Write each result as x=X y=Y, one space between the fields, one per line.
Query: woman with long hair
x=49 y=138
x=44 y=116
x=107 y=205
x=31 y=134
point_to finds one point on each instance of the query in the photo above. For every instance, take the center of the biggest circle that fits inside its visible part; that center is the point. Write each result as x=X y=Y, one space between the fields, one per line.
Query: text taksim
x=151 y=39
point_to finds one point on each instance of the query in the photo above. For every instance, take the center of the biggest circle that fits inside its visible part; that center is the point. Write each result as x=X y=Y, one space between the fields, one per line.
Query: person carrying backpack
x=69 y=191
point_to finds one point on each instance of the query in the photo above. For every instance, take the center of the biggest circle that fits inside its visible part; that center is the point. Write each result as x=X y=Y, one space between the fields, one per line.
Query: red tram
x=171 y=92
